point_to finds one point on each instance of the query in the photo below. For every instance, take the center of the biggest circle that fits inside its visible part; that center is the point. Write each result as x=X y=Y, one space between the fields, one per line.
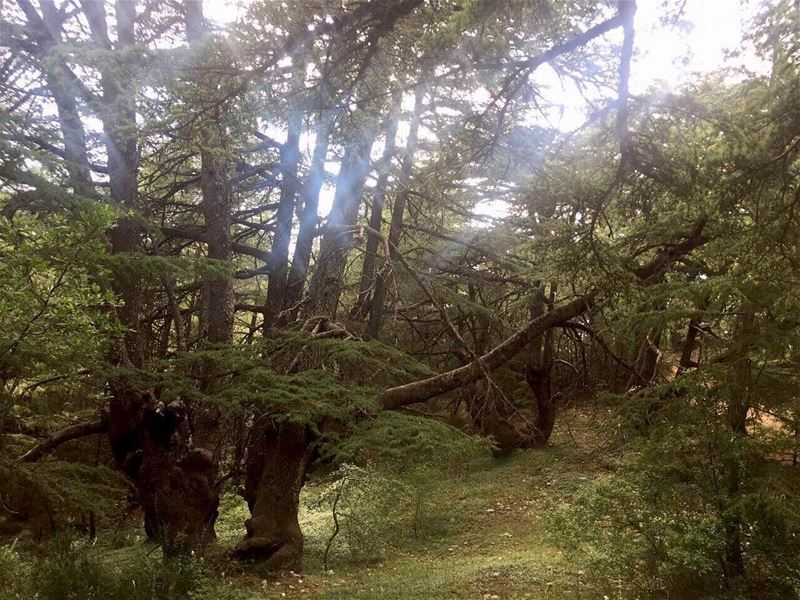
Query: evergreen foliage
x=352 y=244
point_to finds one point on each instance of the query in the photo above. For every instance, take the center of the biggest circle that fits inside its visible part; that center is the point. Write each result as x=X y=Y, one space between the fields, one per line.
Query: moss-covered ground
x=475 y=530
x=482 y=535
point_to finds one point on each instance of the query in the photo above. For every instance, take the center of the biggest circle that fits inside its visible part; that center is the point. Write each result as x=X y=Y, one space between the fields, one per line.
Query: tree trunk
x=216 y=204
x=217 y=298
x=278 y=455
x=150 y=442
x=361 y=307
x=530 y=425
x=309 y=197
x=279 y=253
x=396 y=225
x=738 y=407
x=175 y=483
x=57 y=77
x=690 y=343
x=538 y=373
x=327 y=281
x=425 y=389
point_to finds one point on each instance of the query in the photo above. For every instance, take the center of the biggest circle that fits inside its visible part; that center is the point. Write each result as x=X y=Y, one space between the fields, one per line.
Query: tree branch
x=73 y=432
x=422 y=390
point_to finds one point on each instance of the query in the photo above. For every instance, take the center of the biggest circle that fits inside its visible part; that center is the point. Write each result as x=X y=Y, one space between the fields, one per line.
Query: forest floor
x=477 y=530
x=483 y=534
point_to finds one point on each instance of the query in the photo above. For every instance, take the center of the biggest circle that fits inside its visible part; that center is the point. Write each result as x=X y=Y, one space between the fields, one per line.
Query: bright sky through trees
x=667 y=56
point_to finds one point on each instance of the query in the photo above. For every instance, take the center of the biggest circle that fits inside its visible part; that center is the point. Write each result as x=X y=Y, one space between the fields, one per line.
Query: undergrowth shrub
x=362 y=510
x=660 y=525
x=379 y=498
x=56 y=493
x=15 y=574
x=69 y=571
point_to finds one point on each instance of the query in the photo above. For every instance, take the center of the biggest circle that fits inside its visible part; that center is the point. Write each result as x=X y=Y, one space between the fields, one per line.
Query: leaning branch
x=73 y=432
x=422 y=390
x=532 y=63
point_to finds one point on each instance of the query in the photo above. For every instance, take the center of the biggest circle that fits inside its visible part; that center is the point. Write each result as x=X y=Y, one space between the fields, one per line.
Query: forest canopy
x=281 y=279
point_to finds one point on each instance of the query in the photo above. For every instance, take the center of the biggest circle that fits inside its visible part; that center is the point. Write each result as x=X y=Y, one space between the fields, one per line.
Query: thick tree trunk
x=691 y=342
x=128 y=409
x=175 y=483
x=540 y=382
x=278 y=455
x=646 y=360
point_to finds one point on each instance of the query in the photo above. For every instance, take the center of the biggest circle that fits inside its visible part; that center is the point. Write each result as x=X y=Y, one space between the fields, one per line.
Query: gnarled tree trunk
x=278 y=455
x=175 y=482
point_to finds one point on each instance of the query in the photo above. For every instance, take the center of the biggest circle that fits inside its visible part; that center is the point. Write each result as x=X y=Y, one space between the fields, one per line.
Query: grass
x=476 y=531
x=485 y=536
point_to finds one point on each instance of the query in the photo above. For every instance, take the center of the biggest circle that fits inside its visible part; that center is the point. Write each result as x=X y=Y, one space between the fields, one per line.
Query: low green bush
x=686 y=492
x=68 y=570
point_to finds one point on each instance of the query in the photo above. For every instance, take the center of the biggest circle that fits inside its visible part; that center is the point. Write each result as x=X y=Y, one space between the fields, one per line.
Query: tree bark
x=73 y=432
x=327 y=281
x=309 y=197
x=538 y=373
x=738 y=406
x=175 y=483
x=150 y=442
x=59 y=80
x=279 y=254
x=278 y=455
x=396 y=224
x=216 y=205
x=422 y=390
x=361 y=307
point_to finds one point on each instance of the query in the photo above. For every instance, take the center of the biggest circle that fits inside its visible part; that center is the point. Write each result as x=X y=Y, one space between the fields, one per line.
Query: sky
x=664 y=57
x=663 y=54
